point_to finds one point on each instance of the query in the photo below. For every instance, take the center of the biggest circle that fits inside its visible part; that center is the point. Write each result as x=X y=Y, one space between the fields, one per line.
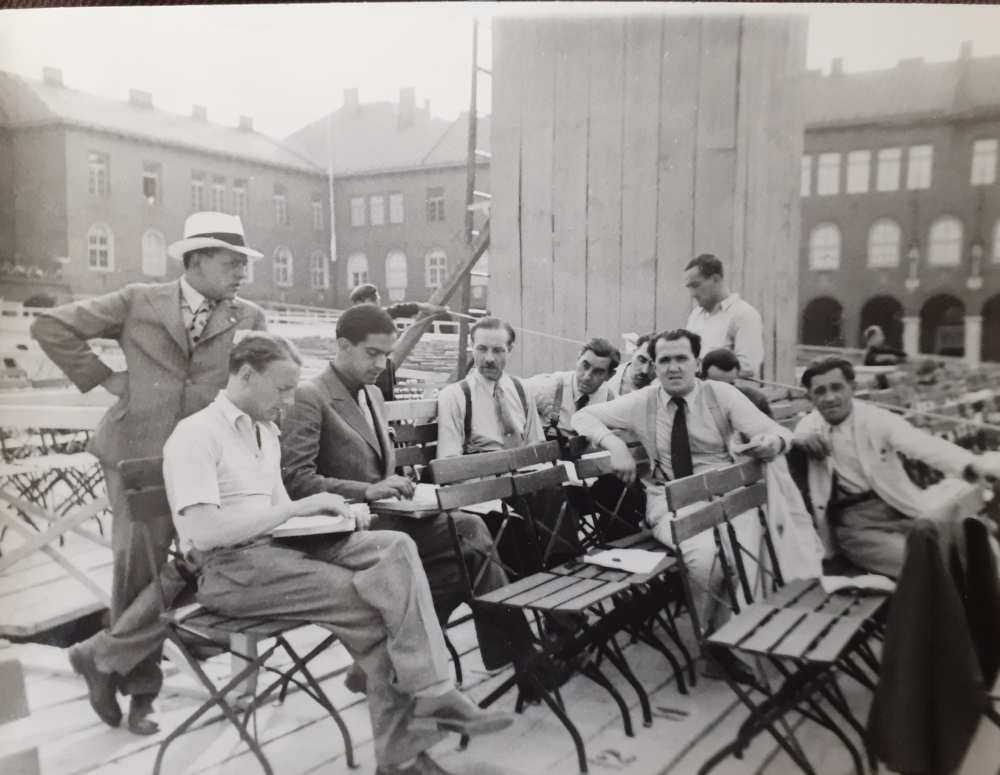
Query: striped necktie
x=199 y=320
x=512 y=436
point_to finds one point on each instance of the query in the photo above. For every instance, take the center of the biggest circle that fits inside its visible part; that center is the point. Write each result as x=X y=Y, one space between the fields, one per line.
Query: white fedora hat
x=212 y=230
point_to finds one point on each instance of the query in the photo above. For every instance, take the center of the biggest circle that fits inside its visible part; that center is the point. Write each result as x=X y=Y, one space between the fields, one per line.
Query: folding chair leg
x=650 y=639
x=617 y=658
x=246 y=645
x=670 y=626
x=455 y=659
x=560 y=713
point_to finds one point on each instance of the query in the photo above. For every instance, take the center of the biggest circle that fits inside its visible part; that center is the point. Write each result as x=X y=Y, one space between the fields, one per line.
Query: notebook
x=320 y=525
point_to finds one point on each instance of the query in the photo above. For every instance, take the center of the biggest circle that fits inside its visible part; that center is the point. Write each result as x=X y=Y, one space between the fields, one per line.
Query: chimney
x=965 y=52
x=407 y=107
x=52 y=76
x=427 y=108
x=140 y=99
x=837 y=66
x=199 y=113
x=246 y=124
x=351 y=99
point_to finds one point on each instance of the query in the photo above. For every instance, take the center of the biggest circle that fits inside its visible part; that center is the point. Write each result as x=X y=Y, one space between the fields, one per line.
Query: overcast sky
x=289 y=65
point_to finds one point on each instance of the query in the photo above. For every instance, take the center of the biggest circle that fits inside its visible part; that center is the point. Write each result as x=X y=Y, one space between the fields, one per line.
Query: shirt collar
x=723 y=305
x=847 y=424
x=476 y=378
x=190 y=296
x=351 y=385
x=689 y=398
x=233 y=414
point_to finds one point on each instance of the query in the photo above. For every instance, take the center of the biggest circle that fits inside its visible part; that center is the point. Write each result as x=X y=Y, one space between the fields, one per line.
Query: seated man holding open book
x=335 y=439
x=222 y=474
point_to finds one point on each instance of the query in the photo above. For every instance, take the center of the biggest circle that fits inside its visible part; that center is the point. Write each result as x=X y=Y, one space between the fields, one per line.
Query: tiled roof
x=453 y=146
x=27 y=102
x=368 y=137
x=912 y=88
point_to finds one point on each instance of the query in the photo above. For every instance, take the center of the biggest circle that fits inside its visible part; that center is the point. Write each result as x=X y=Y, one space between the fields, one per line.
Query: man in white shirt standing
x=863 y=500
x=488 y=410
x=222 y=470
x=558 y=396
x=721 y=318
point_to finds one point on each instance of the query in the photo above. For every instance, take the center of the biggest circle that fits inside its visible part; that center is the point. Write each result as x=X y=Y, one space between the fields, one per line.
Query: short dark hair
x=672 y=336
x=723 y=358
x=491 y=323
x=826 y=364
x=358 y=323
x=364 y=293
x=707 y=265
x=602 y=348
x=259 y=348
x=642 y=340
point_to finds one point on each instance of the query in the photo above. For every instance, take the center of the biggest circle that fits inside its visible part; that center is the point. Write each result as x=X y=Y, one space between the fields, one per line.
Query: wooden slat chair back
x=142 y=480
x=809 y=637
x=414 y=428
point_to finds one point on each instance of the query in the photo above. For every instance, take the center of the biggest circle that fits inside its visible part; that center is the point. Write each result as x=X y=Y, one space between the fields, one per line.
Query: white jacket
x=880 y=435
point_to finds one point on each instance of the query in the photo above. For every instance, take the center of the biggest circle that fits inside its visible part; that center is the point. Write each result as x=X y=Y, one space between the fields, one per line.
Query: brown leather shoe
x=100 y=686
x=424 y=765
x=454 y=712
x=139 y=710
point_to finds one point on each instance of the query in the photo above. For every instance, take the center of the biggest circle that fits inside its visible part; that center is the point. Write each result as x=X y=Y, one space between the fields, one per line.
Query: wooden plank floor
x=299 y=739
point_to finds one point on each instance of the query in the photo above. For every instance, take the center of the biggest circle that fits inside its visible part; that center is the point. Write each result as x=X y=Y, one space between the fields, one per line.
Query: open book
x=870 y=583
x=319 y=525
x=423 y=503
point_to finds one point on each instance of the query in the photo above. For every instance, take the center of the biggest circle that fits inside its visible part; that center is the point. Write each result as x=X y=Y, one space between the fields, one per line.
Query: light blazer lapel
x=225 y=315
x=347 y=408
x=166 y=300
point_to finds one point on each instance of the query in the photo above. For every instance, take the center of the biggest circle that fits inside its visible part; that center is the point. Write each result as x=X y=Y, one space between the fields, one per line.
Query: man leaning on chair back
x=176 y=337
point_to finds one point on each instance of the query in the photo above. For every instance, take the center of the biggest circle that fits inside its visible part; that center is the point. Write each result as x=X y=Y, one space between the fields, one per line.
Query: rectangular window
x=859 y=165
x=889 y=163
x=435 y=204
x=240 y=198
x=280 y=199
x=319 y=272
x=805 y=181
x=219 y=194
x=376 y=210
x=151 y=182
x=919 y=163
x=395 y=208
x=984 y=162
x=317 y=212
x=98 y=181
x=197 y=192
x=828 y=175
x=357 y=211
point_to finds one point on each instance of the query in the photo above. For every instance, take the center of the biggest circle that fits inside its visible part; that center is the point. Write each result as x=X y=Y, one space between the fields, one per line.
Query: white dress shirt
x=735 y=325
x=542 y=387
x=845 y=456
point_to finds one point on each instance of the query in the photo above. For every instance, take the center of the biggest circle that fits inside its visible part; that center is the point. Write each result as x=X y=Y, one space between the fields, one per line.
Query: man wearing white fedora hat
x=176 y=337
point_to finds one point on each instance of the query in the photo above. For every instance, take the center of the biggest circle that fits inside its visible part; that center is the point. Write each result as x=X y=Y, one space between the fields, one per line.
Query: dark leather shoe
x=356 y=681
x=100 y=686
x=424 y=765
x=139 y=710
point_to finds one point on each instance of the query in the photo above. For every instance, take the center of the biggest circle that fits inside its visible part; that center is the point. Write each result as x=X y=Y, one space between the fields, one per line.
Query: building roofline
x=898 y=120
x=411 y=168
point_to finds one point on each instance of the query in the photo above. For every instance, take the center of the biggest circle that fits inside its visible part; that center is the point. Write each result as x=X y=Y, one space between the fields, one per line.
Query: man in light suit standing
x=176 y=337
x=336 y=439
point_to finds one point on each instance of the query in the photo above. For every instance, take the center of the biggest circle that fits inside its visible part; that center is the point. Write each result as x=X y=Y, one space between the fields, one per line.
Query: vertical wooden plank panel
x=643 y=41
x=604 y=177
x=505 y=177
x=715 y=160
x=569 y=187
x=537 y=96
x=678 y=115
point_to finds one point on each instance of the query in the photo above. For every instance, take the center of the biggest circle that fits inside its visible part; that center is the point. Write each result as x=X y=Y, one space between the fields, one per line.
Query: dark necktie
x=582 y=401
x=680 y=442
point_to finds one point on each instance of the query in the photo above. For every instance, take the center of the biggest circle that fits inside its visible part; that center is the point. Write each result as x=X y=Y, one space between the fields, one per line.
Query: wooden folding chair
x=807 y=636
x=241 y=637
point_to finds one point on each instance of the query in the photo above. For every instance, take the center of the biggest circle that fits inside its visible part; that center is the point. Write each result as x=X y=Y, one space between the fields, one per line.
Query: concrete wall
x=39 y=193
x=6 y=196
x=622 y=147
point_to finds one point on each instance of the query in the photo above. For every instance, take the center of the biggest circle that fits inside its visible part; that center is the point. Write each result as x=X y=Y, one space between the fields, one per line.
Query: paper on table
x=630 y=560
x=869 y=582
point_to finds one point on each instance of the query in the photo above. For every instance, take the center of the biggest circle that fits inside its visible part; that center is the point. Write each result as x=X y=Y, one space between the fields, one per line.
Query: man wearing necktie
x=176 y=337
x=684 y=425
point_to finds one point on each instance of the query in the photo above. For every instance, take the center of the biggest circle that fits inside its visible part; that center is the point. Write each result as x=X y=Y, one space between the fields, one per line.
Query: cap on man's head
x=210 y=230
x=723 y=359
x=364 y=293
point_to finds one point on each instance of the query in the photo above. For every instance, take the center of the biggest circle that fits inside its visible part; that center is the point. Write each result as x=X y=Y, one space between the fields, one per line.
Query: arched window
x=395 y=274
x=435 y=268
x=357 y=270
x=101 y=248
x=283 y=267
x=944 y=243
x=996 y=242
x=154 y=254
x=319 y=271
x=824 y=248
x=883 y=244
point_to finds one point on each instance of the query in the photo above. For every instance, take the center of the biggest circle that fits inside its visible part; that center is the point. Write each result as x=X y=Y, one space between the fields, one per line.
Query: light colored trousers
x=371 y=591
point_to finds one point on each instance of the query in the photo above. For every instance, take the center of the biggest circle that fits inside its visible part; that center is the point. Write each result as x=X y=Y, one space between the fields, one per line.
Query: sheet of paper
x=869 y=582
x=629 y=560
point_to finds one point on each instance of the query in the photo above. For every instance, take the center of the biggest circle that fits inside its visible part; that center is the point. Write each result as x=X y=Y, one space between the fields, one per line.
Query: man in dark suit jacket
x=176 y=338
x=336 y=439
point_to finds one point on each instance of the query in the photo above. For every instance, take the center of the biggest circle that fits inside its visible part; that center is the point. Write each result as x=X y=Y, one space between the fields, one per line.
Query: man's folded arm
x=208 y=527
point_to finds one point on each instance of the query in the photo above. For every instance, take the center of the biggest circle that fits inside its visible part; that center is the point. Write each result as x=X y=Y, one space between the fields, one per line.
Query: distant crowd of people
x=205 y=387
